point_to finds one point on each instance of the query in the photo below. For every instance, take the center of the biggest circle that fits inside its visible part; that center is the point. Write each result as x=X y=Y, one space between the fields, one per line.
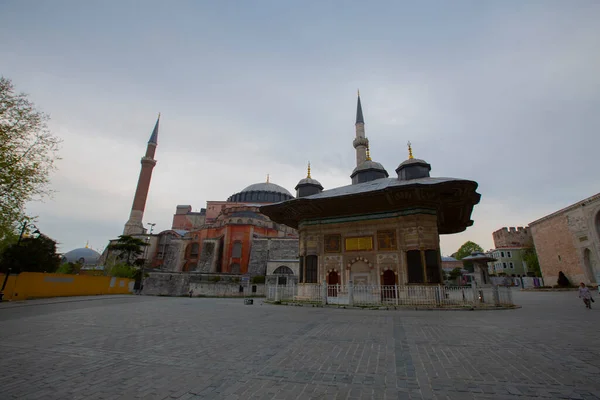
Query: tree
x=531 y=259
x=466 y=250
x=31 y=254
x=129 y=248
x=455 y=273
x=28 y=152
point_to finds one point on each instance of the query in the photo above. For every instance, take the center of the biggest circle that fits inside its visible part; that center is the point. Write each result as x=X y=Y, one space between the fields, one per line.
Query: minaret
x=360 y=141
x=135 y=226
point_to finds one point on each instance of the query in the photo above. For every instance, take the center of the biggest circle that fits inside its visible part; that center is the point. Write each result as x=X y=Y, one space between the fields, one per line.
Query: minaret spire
x=134 y=225
x=360 y=141
x=359 y=113
x=154 y=136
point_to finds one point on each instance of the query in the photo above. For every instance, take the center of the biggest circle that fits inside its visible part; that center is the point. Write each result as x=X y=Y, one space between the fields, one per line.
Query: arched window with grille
x=311 y=269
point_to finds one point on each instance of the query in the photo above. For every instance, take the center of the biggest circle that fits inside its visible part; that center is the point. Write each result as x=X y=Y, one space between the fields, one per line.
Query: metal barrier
x=396 y=295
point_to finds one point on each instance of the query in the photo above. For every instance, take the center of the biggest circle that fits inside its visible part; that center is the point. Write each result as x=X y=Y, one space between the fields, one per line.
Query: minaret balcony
x=360 y=141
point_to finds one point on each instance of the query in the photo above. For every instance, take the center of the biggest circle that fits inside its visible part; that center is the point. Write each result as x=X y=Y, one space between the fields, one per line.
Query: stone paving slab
x=139 y=347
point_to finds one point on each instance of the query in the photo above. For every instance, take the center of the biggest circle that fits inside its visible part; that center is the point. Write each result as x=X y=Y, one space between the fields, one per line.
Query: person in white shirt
x=586 y=295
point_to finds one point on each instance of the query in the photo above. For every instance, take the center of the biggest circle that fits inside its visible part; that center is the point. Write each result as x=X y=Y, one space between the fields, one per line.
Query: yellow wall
x=29 y=285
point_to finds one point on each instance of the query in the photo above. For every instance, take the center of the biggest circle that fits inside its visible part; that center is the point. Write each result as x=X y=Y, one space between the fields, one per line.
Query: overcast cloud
x=506 y=93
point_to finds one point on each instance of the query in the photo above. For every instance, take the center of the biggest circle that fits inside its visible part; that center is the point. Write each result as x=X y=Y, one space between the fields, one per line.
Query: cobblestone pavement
x=179 y=348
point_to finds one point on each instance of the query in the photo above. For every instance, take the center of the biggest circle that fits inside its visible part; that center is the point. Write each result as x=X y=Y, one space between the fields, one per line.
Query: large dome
x=84 y=255
x=264 y=192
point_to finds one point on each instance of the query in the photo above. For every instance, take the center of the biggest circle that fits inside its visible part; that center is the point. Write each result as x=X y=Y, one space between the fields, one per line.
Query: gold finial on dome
x=368 y=154
x=267 y=178
x=308 y=175
x=410 y=155
x=87 y=244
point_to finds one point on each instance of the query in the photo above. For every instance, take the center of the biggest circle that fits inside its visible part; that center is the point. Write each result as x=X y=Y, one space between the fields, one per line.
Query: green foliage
x=258 y=279
x=123 y=270
x=32 y=254
x=129 y=248
x=28 y=152
x=215 y=278
x=455 y=273
x=466 y=250
x=533 y=264
x=69 y=268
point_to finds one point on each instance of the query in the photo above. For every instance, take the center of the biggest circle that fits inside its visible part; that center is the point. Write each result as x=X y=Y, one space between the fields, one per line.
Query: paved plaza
x=129 y=347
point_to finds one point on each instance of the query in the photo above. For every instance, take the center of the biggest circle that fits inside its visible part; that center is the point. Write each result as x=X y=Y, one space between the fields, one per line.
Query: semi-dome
x=264 y=192
x=84 y=255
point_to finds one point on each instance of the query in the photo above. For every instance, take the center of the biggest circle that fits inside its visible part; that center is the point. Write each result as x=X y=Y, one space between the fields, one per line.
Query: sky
x=505 y=93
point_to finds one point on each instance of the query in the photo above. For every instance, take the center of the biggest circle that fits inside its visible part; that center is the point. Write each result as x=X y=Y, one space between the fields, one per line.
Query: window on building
x=194 y=250
x=415 y=266
x=501 y=254
x=508 y=254
x=503 y=265
x=512 y=265
x=432 y=266
x=236 y=252
x=311 y=269
x=301 y=272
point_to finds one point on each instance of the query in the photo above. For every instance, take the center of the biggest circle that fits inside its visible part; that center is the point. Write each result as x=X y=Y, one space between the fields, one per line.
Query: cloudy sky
x=506 y=93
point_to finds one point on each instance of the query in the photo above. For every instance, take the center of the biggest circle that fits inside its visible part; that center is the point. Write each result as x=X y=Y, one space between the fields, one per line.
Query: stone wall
x=209 y=257
x=166 y=284
x=180 y=284
x=556 y=251
x=270 y=249
x=512 y=237
x=174 y=255
x=569 y=241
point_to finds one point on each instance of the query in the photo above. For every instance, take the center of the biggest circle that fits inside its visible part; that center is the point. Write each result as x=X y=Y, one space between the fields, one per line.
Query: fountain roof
x=452 y=200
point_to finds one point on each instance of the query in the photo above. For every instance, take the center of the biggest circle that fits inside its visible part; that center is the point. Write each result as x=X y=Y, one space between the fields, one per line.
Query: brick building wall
x=569 y=241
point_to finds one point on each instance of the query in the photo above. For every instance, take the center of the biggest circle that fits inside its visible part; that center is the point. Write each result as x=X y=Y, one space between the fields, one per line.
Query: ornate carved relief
x=356 y=259
x=389 y=258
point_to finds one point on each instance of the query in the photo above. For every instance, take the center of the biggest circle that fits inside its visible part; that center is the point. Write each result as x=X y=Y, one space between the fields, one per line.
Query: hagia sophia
x=377 y=230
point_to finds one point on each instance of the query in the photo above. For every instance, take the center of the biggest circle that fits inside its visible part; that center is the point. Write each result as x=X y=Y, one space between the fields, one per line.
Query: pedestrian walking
x=586 y=295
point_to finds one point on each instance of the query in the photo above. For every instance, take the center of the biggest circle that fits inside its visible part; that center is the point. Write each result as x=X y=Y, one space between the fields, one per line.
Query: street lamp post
x=25 y=226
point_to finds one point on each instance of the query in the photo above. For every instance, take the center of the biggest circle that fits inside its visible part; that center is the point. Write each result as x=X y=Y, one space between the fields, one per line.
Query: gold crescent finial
x=87 y=244
x=267 y=178
x=410 y=155
x=158 y=115
x=308 y=175
x=358 y=91
x=368 y=153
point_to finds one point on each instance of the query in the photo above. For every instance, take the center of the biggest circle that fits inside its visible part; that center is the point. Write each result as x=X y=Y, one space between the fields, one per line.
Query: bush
x=563 y=281
x=69 y=268
x=123 y=270
x=258 y=279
